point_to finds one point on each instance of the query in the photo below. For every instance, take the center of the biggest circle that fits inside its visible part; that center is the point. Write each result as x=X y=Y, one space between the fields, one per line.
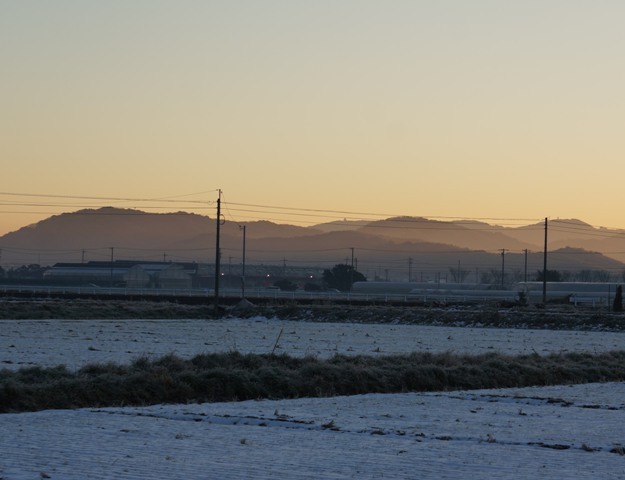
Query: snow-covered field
x=75 y=343
x=548 y=433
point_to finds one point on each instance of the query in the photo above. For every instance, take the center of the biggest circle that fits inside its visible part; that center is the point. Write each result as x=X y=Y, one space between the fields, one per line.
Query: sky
x=305 y=112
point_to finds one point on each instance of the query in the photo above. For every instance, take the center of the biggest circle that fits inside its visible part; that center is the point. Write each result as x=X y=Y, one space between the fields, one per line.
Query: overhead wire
x=299 y=211
x=271 y=212
x=332 y=214
x=296 y=211
x=122 y=199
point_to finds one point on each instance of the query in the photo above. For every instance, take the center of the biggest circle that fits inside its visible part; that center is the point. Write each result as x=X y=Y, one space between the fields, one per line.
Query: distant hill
x=104 y=228
x=341 y=225
x=394 y=248
x=473 y=236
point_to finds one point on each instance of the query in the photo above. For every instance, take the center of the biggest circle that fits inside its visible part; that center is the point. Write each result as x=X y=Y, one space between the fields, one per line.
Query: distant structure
x=124 y=273
x=174 y=275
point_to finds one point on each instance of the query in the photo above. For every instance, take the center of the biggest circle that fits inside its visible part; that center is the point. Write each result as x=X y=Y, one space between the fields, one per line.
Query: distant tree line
x=341 y=276
x=24 y=272
x=493 y=276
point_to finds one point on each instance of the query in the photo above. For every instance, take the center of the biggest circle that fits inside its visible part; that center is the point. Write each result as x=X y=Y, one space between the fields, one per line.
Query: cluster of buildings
x=170 y=275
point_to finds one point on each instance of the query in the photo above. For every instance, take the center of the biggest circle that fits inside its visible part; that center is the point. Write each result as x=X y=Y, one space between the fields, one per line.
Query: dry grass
x=489 y=314
x=234 y=376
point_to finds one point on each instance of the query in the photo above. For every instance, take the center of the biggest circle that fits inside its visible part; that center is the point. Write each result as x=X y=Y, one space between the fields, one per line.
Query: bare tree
x=458 y=275
x=601 y=276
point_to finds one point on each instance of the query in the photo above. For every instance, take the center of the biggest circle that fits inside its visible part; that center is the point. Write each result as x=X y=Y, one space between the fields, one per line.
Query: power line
x=275 y=209
x=117 y=199
x=557 y=225
x=286 y=210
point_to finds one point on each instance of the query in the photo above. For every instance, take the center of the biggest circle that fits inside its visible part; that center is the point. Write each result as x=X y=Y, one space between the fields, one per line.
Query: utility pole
x=525 y=274
x=112 y=259
x=545 y=267
x=217 y=253
x=503 y=256
x=409 y=269
x=351 y=273
x=243 y=227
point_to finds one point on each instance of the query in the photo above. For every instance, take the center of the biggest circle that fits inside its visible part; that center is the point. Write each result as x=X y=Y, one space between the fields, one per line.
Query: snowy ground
x=75 y=343
x=548 y=433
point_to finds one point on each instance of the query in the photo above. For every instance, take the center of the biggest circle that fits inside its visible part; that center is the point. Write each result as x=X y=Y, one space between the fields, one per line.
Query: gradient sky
x=449 y=108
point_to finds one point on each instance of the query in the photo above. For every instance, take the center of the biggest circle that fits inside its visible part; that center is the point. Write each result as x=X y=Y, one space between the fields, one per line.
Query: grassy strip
x=100 y=309
x=234 y=376
x=562 y=317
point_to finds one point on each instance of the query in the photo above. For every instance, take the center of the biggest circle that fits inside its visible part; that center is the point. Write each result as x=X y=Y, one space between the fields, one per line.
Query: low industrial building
x=124 y=273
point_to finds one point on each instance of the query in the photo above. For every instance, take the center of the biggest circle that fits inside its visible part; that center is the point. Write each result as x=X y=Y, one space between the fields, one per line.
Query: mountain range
x=394 y=248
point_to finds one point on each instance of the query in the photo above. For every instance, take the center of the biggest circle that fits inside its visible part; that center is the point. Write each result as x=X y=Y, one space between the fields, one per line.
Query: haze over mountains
x=393 y=248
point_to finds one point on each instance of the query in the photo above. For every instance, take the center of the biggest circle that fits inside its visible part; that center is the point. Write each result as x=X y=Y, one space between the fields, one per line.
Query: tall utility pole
x=112 y=259
x=525 y=273
x=243 y=227
x=217 y=253
x=545 y=267
x=351 y=273
x=503 y=262
x=409 y=269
